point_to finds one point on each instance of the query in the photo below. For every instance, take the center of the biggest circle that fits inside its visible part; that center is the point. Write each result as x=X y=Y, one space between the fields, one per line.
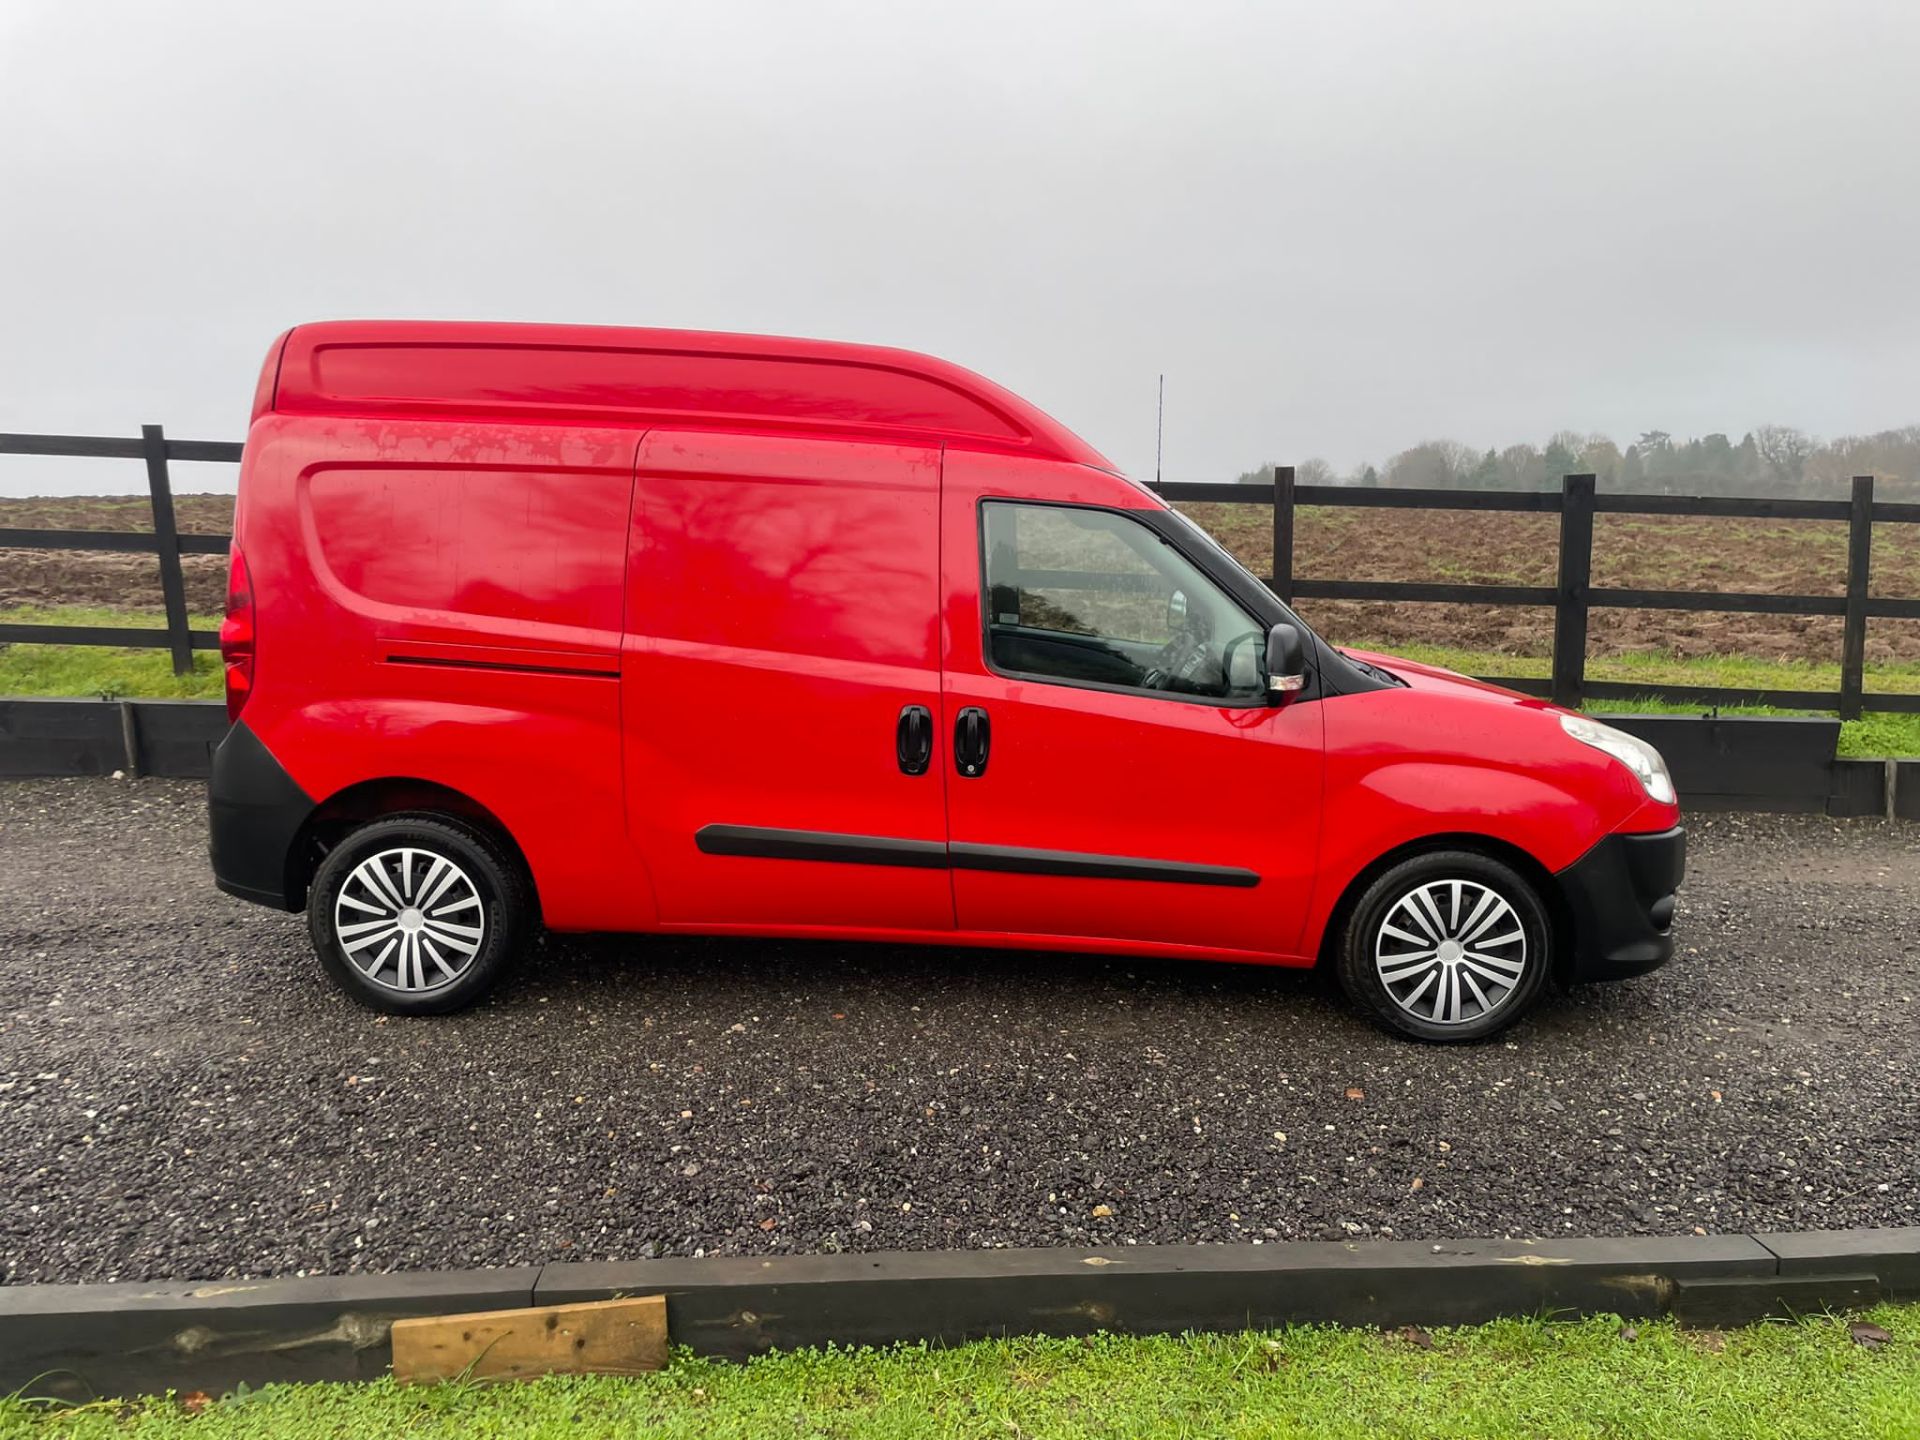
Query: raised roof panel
x=509 y=372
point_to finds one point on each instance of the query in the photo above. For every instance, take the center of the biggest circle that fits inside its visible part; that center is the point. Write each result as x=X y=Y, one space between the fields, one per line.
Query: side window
x=1092 y=596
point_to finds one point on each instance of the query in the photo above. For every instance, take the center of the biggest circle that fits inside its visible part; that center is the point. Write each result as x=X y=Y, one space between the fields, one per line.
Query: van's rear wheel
x=416 y=914
x=1450 y=945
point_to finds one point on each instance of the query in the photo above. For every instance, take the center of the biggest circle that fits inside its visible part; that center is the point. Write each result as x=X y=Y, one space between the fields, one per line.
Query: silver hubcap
x=1450 y=951
x=410 y=920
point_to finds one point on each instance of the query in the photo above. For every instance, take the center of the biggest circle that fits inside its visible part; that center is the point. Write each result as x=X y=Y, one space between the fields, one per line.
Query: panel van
x=673 y=632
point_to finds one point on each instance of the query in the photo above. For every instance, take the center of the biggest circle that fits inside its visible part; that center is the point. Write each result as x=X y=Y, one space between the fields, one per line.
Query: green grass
x=103 y=670
x=1872 y=735
x=1508 y=1379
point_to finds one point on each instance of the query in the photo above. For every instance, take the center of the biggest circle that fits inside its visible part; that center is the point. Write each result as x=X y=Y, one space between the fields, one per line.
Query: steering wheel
x=1180 y=661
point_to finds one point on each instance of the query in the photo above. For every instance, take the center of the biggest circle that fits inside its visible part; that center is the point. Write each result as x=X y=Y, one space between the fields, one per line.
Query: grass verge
x=1508 y=1379
x=1871 y=735
x=96 y=671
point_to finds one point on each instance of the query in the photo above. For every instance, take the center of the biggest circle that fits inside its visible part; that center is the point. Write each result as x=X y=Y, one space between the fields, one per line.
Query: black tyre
x=1450 y=945
x=417 y=914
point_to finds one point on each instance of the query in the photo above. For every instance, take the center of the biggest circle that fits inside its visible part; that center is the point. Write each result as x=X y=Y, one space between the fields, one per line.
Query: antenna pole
x=1159 y=428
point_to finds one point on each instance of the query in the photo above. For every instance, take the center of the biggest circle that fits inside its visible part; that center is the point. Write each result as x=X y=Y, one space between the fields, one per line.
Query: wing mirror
x=1286 y=661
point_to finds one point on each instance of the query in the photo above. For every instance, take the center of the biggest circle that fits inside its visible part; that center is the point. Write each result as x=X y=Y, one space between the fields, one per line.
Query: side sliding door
x=780 y=676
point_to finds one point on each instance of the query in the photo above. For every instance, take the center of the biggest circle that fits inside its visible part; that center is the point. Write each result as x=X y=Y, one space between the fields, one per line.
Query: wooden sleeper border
x=81 y=1341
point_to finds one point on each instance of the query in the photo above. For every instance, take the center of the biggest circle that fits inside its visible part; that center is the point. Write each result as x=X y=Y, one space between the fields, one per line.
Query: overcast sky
x=1339 y=228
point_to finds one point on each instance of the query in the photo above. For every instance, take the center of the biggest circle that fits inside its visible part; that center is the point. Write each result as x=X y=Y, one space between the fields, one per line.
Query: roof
x=613 y=376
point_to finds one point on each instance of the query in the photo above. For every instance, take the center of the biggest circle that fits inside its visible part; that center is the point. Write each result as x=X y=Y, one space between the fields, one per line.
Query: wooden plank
x=1406 y=591
x=1281 y=582
x=1212 y=492
x=1730 y=602
x=109 y=447
x=604 y=1337
x=134 y=540
x=1399 y=497
x=117 y=635
x=98 y=446
x=1853 y=635
x=1723 y=507
x=1415 y=497
x=1572 y=598
x=222 y=452
x=173 y=585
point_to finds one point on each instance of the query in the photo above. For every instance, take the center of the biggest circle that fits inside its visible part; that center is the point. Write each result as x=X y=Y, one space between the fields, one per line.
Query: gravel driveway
x=183 y=1096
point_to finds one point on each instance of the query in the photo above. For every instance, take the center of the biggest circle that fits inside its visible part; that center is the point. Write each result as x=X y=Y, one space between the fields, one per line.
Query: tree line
x=1768 y=460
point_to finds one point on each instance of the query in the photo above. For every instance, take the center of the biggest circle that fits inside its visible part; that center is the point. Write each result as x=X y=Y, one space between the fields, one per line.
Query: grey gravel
x=183 y=1096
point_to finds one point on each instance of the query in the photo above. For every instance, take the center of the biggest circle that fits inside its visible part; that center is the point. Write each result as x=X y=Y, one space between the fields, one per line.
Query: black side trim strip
x=1013 y=860
x=765 y=843
x=447 y=663
x=769 y=844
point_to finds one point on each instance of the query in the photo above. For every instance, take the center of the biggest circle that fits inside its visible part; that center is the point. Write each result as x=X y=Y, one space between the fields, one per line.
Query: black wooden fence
x=1574 y=595
x=1571 y=598
x=165 y=540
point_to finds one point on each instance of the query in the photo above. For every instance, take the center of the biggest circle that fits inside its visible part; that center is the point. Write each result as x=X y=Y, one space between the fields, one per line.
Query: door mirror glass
x=1286 y=660
x=1176 y=610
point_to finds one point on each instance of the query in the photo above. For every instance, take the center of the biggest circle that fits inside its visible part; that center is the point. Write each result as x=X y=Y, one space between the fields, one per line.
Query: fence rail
x=1572 y=597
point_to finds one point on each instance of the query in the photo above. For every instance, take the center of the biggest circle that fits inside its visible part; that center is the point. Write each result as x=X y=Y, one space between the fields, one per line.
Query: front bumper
x=1620 y=897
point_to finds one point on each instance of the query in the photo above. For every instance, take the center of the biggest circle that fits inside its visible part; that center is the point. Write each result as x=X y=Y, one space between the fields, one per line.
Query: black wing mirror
x=1286 y=660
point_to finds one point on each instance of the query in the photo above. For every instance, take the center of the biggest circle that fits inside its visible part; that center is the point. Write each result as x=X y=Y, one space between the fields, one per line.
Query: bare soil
x=104 y=578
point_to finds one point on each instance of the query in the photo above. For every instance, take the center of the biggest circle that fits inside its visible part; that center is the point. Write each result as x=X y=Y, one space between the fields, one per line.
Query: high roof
x=612 y=376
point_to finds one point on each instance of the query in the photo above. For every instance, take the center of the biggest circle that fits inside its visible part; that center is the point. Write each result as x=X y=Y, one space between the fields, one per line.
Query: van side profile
x=661 y=631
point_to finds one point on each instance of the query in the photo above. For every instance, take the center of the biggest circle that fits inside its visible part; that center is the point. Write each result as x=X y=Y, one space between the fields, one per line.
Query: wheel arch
x=1505 y=851
x=346 y=810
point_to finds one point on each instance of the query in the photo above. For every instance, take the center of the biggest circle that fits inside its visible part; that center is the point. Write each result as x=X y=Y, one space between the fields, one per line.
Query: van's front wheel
x=1450 y=945
x=416 y=915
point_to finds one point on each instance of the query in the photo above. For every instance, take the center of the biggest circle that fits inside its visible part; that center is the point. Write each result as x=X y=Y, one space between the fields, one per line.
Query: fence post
x=166 y=539
x=1283 y=532
x=1853 y=644
x=1570 y=598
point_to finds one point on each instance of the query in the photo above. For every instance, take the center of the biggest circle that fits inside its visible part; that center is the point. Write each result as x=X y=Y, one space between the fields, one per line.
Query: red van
x=663 y=631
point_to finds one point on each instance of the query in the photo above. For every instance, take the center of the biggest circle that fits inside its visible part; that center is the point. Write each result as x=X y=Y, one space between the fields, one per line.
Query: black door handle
x=913 y=739
x=972 y=738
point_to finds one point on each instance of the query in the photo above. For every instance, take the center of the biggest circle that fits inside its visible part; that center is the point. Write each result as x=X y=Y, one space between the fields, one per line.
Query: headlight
x=1630 y=750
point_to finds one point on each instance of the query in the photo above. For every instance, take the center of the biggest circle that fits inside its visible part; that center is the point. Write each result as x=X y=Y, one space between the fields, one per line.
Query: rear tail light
x=236 y=635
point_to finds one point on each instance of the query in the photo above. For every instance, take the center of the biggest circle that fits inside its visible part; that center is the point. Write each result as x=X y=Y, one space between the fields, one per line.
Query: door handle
x=972 y=739
x=913 y=739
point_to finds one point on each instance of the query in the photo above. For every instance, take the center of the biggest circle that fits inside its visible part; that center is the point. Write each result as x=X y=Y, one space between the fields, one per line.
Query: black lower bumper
x=1620 y=897
x=254 y=815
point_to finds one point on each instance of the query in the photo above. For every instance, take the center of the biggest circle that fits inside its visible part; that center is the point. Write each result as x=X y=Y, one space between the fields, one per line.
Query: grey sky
x=1339 y=228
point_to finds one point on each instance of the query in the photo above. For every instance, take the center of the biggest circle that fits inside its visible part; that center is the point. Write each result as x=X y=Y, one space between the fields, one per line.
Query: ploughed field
x=183 y=1095
x=1781 y=557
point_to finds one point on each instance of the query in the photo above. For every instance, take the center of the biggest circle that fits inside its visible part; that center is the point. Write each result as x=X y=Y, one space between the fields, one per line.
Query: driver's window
x=1092 y=596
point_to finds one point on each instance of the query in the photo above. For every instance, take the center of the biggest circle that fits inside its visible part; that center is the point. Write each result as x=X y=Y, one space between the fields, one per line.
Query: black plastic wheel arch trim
x=254 y=815
x=761 y=842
